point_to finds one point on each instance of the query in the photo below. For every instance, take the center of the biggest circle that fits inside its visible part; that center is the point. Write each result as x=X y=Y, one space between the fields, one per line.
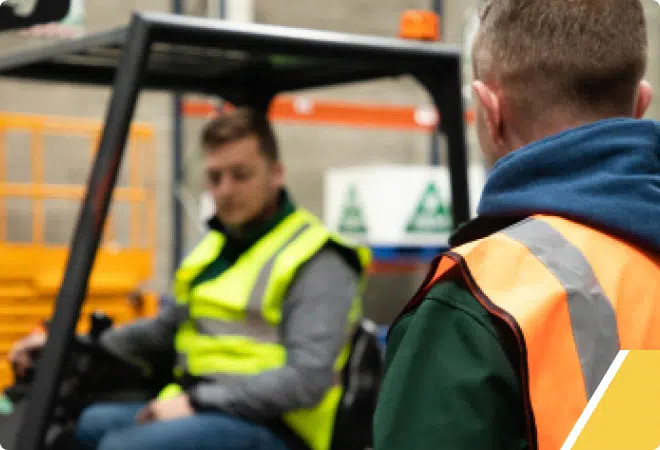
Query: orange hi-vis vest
x=572 y=297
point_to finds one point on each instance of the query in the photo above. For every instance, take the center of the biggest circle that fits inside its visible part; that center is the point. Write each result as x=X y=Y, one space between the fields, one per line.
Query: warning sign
x=431 y=215
x=352 y=217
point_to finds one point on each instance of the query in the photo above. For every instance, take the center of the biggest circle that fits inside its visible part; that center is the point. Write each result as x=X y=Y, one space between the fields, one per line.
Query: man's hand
x=19 y=355
x=173 y=408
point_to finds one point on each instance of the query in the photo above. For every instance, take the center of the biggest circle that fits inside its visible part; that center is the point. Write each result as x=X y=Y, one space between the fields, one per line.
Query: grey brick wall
x=330 y=146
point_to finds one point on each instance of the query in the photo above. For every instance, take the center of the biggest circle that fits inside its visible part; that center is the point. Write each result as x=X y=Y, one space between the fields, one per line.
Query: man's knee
x=97 y=420
x=113 y=441
x=92 y=424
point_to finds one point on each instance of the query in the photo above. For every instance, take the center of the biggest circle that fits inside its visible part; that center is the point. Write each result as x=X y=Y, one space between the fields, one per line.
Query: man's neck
x=267 y=213
x=551 y=125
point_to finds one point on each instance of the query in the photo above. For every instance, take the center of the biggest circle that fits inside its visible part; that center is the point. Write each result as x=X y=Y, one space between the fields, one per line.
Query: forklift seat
x=361 y=380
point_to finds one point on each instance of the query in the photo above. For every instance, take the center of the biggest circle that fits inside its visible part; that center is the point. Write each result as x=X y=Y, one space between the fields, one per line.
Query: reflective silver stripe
x=254 y=325
x=181 y=361
x=224 y=379
x=228 y=380
x=181 y=311
x=592 y=315
x=256 y=300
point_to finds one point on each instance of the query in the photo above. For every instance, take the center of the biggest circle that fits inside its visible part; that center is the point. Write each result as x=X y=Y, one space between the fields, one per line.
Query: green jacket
x=449 y=382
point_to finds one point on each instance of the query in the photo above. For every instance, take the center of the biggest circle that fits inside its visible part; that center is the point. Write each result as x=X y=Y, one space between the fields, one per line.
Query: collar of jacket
x=481 y=227
x=258 y=228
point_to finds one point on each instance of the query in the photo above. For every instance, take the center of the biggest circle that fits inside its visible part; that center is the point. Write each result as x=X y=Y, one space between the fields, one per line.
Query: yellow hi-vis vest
x=232 y=324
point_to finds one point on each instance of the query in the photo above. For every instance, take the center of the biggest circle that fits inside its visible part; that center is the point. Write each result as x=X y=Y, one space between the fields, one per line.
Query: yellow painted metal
x=31 y=272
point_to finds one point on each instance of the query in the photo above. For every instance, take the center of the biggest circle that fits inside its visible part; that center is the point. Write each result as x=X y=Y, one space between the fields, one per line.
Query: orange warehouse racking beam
x=305 y=110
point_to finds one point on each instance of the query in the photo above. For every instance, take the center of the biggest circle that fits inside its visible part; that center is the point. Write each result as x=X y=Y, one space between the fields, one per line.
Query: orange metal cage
x=140 y=157
x=31 y=268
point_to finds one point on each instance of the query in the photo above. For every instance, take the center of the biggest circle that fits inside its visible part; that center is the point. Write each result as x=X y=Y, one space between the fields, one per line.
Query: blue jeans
x=111 y=426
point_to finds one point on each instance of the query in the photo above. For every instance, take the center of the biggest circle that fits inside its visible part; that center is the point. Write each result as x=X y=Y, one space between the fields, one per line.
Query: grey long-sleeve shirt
x=313 y=329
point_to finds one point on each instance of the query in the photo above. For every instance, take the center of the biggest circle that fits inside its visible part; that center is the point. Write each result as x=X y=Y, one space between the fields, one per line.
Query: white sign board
x=394 y=205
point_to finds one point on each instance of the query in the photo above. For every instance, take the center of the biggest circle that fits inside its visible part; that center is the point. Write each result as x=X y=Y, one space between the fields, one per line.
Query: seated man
x=265 y=306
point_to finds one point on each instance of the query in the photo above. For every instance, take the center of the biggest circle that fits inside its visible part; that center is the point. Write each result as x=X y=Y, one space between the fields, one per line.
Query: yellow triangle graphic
x=625 y=414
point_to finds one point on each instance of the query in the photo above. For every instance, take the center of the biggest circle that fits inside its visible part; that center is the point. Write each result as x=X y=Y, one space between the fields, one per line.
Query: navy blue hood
x=606 y=174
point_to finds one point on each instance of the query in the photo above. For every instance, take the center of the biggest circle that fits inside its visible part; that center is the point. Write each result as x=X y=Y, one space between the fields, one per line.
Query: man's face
x=242 y=180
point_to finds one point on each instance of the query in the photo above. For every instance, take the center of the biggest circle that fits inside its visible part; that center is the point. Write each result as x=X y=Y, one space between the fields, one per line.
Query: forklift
x=245 y=65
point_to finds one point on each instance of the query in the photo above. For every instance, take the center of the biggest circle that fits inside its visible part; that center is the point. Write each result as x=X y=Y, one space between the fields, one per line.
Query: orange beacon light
x=419 y=24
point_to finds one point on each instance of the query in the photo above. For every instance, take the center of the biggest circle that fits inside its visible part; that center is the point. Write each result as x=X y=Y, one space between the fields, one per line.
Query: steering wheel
x=92 y=374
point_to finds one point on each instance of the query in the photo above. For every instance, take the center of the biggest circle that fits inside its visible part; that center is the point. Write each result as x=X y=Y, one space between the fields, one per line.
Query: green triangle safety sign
x=431 y=215
x=352 y=216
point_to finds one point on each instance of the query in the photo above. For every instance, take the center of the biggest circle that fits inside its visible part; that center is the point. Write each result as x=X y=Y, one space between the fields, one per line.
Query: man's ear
x=644 y=97
x=491 y=108
x=278 y=172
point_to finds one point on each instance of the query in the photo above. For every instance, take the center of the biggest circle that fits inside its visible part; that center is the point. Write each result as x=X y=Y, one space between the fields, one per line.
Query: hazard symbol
x=352 y=217
x=431 y=215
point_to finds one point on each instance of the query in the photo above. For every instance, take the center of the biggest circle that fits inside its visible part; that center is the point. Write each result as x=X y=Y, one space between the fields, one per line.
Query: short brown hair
x=238 y=124
x=576 y=56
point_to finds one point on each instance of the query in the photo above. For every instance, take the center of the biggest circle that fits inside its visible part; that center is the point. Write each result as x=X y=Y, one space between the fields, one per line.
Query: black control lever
x=100 y=323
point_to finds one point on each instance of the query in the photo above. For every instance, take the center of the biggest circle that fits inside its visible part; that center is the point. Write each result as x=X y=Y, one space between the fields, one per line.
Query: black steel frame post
x=439 y=9
x=452 y=122
x=434 y=157
x=448 y=99
x=177 y=168
x=177 y=179
x=86 y=239
x=434 y=151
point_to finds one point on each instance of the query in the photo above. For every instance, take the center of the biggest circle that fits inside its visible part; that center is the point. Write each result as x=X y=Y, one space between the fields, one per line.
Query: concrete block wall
x=330 y=146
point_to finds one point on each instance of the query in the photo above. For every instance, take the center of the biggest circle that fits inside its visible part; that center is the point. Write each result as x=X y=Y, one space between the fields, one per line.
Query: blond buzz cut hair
x=576 y=57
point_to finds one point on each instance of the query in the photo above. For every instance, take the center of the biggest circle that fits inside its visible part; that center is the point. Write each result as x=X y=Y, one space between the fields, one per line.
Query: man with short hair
x=265 y=308
x=516 y=325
